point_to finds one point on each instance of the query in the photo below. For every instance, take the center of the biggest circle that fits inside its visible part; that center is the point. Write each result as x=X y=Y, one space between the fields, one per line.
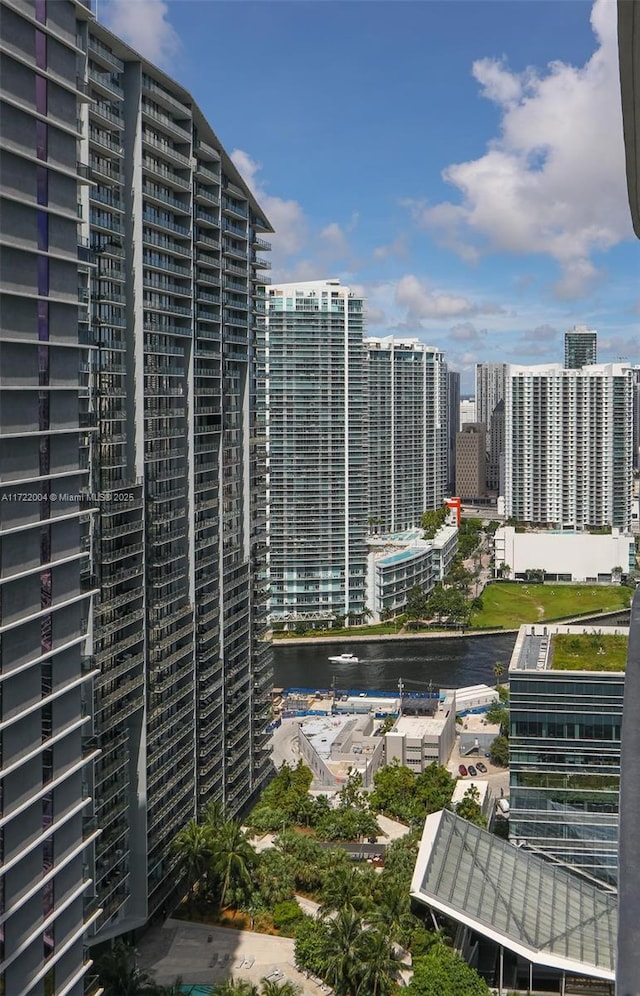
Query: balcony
x=164 y=148
x=104 y=53
x=105 y=82
x=168 y=175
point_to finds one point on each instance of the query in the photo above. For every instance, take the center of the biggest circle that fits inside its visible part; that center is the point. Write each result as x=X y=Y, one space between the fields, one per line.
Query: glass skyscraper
x=317 y=451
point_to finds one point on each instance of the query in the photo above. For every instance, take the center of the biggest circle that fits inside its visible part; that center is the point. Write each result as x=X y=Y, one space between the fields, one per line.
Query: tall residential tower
x=569 y=442
x=490 y=390
x=408 y=431
x=135 y=671
x=580 y=347
x=317 y=451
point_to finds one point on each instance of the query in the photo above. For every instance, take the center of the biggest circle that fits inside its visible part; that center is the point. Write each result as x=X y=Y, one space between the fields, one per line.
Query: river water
x=447 y=662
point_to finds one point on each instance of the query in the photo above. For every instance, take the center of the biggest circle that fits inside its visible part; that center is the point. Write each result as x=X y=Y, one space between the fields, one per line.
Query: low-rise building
x=418 y=741
x=564 y=555
x=444 y=547
x=485 y=796
x=399 y=561
x=333 y=746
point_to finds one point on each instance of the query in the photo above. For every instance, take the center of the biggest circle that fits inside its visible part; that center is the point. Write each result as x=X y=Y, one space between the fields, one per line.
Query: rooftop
x=488 y=884
x=559 y=647
x=396 y=558
x=419 y=726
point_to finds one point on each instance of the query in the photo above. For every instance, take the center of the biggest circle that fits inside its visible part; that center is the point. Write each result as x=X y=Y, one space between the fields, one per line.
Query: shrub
x=285 y=916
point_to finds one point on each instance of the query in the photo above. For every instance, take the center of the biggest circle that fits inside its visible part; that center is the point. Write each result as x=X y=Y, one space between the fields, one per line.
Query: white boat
x=345 y=659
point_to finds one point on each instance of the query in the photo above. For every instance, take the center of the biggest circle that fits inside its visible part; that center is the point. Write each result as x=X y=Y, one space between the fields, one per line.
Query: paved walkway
x=204 y=955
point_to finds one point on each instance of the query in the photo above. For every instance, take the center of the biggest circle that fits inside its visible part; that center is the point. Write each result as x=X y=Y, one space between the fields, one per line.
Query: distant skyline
x=461 y=164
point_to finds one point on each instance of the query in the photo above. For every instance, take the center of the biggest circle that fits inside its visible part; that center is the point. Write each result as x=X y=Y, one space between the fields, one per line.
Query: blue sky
x=460 y=161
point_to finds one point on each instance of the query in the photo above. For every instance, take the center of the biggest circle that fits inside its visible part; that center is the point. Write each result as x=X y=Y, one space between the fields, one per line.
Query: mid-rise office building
x=490 y=388
x=580 y=347
x=569 y=445
x=407 y=431
x=453 y=407
x=564 y=753
x=133 y=387
x=317 y=451
x=471 y=460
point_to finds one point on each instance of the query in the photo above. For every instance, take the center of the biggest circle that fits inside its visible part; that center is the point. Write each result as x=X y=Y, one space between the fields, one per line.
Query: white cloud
x=397 y=248
x=553 y=182
x=287 y=217
x=423 y=303
x=329 y=251
x=498 y=84
x=145 y=25
x=466 y=332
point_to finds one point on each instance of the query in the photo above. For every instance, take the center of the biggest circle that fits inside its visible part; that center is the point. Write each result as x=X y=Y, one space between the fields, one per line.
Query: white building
x=407 y=390
x=397 y=562
x=317 y=446
x=485 y=796
x=332 y=746
x=569 y=445
x=418 y=741
x=564 y=556
x=467 y=410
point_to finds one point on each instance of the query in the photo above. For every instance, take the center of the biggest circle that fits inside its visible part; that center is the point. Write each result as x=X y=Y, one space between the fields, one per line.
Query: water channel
x=446 y=662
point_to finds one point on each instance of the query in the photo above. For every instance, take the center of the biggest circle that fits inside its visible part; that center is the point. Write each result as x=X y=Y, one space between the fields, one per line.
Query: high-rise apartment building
x=580 y=347
x=125 y=229
x=490 y=388
x=453 y=408
x=317 y=451
x=45 y=579
x=568 y=445
x=471 y=460
x=407 y=431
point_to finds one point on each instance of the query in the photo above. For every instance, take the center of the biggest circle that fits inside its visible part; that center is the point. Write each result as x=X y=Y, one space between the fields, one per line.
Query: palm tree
x=193 y=846
x=234 y=858
x=381 y=964
x=119 y=974
x=272 y=988
x=345 y=889
x=498 y=670
x=344 y=954
x=236 y=987
x=392 y=915
x=213 y=814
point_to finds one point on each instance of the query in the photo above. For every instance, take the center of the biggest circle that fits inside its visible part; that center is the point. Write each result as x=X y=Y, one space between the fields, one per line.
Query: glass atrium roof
x=533 y=907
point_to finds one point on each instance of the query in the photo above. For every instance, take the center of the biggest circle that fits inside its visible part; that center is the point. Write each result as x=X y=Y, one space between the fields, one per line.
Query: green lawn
x=510 y=605
x=588 y=652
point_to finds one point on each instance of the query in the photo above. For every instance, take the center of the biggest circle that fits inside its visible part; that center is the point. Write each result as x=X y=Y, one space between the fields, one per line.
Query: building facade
x=471 y=460
x=467 y=411
x=408 y=431
x=46 y=674
x=569 y=446
x=580 y=347
x=131 y=244
x=565 y=556
x=317 y=451
x=453 y=407
x=564 y=756
x=490 y=389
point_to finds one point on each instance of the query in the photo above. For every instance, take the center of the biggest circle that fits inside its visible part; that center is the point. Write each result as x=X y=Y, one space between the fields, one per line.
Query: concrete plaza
x=204 y=955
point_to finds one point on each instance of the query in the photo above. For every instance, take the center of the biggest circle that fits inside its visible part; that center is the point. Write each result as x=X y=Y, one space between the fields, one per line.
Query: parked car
x=462 y=770
x=472 y=771
x=482 y=768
